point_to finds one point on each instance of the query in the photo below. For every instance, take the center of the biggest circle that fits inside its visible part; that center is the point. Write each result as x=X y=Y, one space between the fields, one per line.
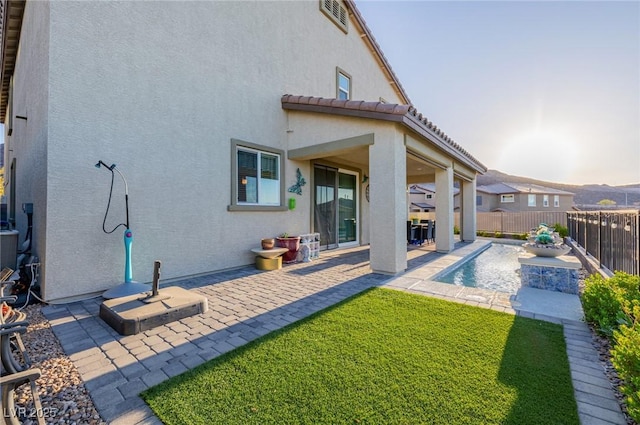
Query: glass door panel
x=325 y=194
x=347 y=211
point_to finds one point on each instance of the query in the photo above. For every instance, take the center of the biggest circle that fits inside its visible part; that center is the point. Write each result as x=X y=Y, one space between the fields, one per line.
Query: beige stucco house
x=209 y=109
x=517 y=197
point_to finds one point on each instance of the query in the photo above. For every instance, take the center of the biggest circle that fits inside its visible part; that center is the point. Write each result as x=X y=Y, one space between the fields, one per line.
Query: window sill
x=257 y=208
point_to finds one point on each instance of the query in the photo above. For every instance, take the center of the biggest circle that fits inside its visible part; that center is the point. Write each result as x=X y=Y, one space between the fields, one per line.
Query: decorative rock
x=61 y=390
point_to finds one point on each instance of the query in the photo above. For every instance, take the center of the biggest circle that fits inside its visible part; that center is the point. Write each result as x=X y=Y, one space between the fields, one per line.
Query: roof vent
x=336 y=12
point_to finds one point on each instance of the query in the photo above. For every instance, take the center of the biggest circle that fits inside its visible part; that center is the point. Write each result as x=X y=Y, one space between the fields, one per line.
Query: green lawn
x=383 y=357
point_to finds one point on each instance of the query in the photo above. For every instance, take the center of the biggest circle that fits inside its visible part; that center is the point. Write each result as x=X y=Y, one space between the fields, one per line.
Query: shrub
x=626 y=359
x=613 y=305
x=524 y=236
x=601 y=304
x=608 y=302
x=563 y=231
x=456 y=230
x=497 y=235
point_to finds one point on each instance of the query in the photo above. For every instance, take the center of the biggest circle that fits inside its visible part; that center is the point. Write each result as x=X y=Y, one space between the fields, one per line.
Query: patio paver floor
x=246 y=303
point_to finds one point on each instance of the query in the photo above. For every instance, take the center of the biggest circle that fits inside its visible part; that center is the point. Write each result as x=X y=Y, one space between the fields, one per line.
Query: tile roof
x=405 y=114
x=431 y=187
x=499 y=188
x=423 y=205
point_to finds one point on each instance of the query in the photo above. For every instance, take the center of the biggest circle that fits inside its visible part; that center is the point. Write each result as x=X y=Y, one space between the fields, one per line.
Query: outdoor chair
x=429 y=232
x=12 y=415
x=14 y=357
x=12 y=350
x=411 y=233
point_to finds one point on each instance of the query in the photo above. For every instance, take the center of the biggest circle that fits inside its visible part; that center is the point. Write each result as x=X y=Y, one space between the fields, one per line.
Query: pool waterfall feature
x=546 y=265
x=551 y=273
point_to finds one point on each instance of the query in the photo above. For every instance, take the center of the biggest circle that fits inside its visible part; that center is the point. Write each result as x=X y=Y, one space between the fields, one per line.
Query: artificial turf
x=383 y=357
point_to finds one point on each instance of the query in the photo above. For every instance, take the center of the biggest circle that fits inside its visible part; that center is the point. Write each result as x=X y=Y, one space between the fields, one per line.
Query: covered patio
x=393 y=146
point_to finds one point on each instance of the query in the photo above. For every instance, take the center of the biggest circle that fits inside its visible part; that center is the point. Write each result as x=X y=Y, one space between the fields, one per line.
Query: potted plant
x=292 y=243
x=545 y=242
x=268 y=243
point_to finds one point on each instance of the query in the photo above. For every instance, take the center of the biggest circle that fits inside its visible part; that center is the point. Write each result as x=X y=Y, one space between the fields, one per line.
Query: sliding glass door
x=335 y=206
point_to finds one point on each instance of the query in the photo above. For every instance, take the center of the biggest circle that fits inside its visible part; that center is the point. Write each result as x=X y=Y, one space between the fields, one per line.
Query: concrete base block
x=138 y=313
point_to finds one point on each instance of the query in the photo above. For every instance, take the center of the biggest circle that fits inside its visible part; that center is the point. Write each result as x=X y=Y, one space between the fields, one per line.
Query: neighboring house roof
x=501 y=188
x=496 y=189
x=415 y=188
x=423 y=205
x=403 y=114
x=11 y=12
x=431 y=188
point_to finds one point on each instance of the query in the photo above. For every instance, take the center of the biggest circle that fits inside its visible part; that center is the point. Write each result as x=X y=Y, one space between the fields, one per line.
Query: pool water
x=495 y=268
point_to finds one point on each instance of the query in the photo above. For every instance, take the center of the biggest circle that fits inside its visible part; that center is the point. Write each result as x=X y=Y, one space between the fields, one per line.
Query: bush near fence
x=612 y=305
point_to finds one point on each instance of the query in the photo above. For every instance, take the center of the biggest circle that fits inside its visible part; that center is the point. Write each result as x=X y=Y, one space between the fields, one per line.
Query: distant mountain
x=586 y=195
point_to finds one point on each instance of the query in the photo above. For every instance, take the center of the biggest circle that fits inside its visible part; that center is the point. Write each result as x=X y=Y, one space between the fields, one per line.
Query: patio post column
x=444 y=210
x=468 y=211
x=388 y=203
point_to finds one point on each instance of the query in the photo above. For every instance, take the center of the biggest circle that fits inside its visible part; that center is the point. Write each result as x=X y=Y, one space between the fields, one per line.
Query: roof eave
x=403 y=114
x=375 y=48
x=11 y=12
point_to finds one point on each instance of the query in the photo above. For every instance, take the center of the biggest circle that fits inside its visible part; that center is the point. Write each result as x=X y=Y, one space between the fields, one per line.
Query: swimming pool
x=495 y=268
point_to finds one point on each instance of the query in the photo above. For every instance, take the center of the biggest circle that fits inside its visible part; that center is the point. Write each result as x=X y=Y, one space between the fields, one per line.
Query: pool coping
x=422 y=280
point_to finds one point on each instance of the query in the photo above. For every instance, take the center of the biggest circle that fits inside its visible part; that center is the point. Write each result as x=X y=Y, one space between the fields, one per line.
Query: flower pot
x=292 y=244
x=548 y=250
x=268 y=243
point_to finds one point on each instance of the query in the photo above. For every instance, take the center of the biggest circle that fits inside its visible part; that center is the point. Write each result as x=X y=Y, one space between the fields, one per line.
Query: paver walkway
x=245 y=304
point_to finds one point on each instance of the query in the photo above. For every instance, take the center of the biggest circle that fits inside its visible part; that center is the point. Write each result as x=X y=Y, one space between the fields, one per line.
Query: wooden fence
x=507 y=222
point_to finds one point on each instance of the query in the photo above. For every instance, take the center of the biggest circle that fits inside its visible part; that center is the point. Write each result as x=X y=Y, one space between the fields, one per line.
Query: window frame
x=530 y=197
x=508 y=198
x=237 y=145
x=545 y=201
x=339 y=72
x=428 y=196
x=556 y=201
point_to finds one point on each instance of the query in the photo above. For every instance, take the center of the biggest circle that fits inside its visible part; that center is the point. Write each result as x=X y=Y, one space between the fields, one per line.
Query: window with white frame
x=428 y=195
x=343 y=85
x=257 y=180
x=556 y=201
x=545 y=200
x=505 y=199
x=531 y=200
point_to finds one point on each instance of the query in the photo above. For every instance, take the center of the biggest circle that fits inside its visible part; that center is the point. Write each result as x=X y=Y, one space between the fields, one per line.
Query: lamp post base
x=126 y=289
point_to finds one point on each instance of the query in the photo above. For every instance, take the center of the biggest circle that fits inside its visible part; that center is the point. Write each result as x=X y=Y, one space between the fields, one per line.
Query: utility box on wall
x=8 y=248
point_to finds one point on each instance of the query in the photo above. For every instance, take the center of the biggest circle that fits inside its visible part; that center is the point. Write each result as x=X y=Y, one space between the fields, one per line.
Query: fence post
x=600 y=239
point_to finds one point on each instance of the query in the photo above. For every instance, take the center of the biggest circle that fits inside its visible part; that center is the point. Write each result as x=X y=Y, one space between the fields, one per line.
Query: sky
x=548 y=90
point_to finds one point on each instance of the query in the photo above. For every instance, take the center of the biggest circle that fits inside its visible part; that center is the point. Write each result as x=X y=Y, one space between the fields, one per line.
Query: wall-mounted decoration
x=366 y=192
x=297 y=188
